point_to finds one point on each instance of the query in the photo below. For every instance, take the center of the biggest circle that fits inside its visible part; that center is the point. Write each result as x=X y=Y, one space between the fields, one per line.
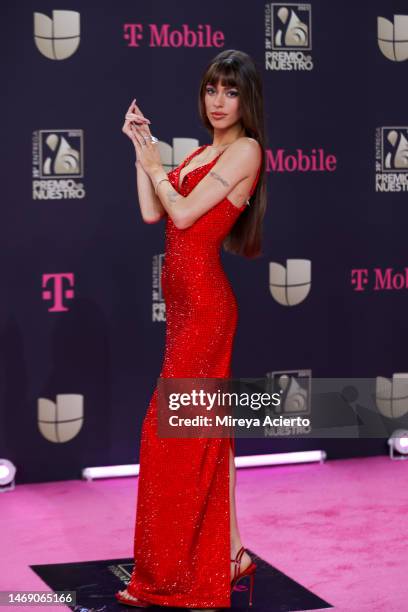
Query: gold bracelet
x=158 y=183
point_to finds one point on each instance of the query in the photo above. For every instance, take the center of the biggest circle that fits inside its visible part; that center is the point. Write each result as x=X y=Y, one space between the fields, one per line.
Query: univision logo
x=393 y=37
x=57 y=38
x=391 y=396
x=62 y=420
x=172 y=155
x=291 y=285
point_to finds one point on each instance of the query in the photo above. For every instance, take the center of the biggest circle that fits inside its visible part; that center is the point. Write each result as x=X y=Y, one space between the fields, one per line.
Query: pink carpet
x=339 y=528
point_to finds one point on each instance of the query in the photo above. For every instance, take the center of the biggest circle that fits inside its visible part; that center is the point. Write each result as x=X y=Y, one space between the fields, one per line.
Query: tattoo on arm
x=172 y=196
x=219 y=178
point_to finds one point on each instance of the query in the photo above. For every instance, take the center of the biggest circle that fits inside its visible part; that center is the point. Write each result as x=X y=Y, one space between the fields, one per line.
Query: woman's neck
x=223 y=138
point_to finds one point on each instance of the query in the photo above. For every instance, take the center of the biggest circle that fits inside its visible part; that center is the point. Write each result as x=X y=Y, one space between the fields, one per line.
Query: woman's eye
x=233 y=93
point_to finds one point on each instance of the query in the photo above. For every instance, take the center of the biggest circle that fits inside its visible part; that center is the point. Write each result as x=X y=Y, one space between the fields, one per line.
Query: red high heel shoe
x=131 y=601
x=249 y=571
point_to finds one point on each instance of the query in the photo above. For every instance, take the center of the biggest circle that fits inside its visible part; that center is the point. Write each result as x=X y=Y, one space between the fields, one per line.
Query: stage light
x=117 y=471
x=7 y=475
x=280 y=458
x=110 y=471
x=398 y=443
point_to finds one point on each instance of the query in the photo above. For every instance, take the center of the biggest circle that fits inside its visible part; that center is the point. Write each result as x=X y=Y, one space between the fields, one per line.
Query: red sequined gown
x=182 y=533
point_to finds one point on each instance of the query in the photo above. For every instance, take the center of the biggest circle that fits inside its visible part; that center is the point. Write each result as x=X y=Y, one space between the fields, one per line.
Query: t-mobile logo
x=166 y=36
x=58 y=289
x=379 y=279
x=359 y=279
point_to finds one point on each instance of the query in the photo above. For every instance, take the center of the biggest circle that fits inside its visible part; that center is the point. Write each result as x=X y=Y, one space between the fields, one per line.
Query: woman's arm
x=240 y=161
x=150 y=205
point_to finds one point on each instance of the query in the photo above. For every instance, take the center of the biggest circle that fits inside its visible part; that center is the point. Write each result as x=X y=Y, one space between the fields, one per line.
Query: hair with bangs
x=236 y=69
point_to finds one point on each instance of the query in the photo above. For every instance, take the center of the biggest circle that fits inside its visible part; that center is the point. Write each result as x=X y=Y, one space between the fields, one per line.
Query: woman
x=188 y=551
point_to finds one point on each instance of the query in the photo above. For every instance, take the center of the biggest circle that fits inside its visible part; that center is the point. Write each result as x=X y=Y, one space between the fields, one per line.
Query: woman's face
x=222 y=105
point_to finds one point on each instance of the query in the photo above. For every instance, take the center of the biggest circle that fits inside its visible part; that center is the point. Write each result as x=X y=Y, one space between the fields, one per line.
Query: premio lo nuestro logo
x=57 y=37
x=391 y=163
x=288 y=36
x=158 y=304
x=295 y=390
x=393 y=37
x=58 y=161
x=290 y=285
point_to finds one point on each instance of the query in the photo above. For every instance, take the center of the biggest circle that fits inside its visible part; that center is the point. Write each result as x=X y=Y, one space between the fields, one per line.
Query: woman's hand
x=147 y=153
x=136 y=127
x=133 y=117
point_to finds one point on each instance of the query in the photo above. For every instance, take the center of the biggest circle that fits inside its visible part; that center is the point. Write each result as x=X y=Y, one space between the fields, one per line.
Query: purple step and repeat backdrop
x=82 y=318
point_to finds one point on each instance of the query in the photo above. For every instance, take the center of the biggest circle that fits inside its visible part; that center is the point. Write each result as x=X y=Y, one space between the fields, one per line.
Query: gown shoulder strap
x=192 y=154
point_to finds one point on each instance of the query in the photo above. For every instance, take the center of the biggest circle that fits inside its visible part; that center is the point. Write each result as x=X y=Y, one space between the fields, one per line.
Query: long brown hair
x=236 y=69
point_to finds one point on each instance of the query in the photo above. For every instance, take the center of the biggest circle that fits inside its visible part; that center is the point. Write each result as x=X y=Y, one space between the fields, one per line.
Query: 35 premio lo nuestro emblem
x=58 y=163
